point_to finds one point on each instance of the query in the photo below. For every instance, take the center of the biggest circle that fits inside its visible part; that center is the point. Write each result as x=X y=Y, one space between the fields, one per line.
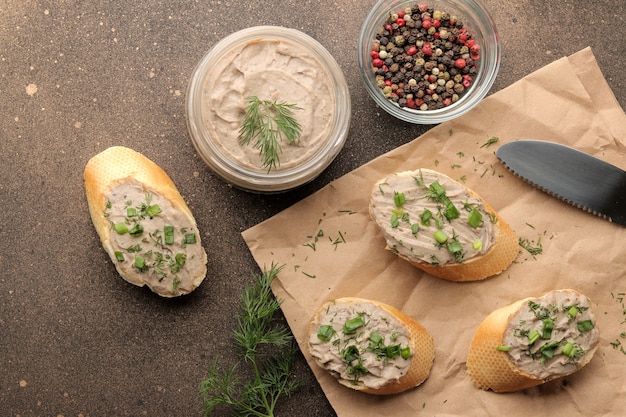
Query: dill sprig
x=266 y=124
x=272 y=364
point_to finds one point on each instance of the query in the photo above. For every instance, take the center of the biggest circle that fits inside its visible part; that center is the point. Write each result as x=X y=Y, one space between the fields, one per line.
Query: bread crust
x=421 y=344
x=501 y=255
x=491 y=369
x=115 y=166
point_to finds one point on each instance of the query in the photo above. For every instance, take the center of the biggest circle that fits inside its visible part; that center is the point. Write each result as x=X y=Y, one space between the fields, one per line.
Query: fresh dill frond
x=267 y=123
x=264 y=344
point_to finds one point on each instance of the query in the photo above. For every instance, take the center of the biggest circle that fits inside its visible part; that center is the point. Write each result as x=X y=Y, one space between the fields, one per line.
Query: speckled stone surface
x=79 y=76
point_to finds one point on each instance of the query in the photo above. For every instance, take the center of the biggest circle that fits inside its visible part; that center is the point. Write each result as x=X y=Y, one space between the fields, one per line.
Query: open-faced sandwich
x=441 y=227
x=143 y=222
x=532 y=341
x=370 y=346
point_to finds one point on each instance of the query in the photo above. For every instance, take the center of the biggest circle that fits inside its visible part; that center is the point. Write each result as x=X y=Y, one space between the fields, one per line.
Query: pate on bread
x=143 y=222
x=532 y=341
x=370 y=346
x=440 y=226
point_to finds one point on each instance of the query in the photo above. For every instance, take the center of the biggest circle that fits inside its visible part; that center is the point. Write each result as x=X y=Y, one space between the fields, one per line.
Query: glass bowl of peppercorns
x=428 y=61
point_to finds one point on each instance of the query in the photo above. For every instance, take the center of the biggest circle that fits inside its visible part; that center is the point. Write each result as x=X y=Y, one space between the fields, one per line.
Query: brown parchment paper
x=568 y=102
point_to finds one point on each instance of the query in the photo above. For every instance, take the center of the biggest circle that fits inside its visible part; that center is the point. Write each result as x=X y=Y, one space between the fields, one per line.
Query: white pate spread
x=275 y=70
x=407 y=234
x=367 y=366
x=167 y=267
x=558 y=351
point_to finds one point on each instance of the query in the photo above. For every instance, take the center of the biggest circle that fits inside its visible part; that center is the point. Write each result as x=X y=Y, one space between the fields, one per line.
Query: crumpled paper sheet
x=331 y=248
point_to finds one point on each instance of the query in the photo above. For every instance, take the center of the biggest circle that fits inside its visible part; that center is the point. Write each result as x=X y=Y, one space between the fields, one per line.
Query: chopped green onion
x=120 y=228
x=136 y=230
x=455 y=247
x=477 y=245
x=533 y=336
x=547 y=350
x=131 y=212
x=426 y=216
x=440 y=236
x=399 y=198
x=351 y=326
x=153 y=210
x=503 y=348
x=573 y=311
x=140 y=262
x=451 y=211
x=405 y=353
x=437 y=190
x=119 y=256
x=325 y=332
x=415 y=227
x=475 y=218
x=181 y=258
x=168 y=231
x=569 y=350
x=585 y=326
x=190 y=238
x=375 y=338
x=548 y=325
x=395 y=222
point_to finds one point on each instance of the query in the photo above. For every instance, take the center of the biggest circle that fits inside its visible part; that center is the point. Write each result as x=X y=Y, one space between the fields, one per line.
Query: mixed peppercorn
x=423 y=58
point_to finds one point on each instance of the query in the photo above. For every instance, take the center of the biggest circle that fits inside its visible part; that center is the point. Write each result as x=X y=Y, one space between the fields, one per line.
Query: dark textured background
x=75 y=339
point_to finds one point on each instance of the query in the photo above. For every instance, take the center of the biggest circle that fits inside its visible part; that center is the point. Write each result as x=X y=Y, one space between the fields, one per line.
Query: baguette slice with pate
x=441 y=227
x=143 y=222
x=370 y=346
x=532 y=341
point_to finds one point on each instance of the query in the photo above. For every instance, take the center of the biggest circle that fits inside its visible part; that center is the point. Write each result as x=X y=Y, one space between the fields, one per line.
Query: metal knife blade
x=569 y=174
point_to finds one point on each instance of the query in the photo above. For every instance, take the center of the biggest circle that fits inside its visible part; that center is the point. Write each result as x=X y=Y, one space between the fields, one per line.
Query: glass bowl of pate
x=428 y=61
x=272 y=64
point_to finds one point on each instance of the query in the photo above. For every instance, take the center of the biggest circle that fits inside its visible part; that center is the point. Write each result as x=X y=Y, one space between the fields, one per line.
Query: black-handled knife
x=569 y=174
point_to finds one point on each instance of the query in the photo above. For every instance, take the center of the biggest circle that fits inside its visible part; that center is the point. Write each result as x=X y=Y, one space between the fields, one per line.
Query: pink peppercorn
x=374 y=54
x=467 y=81
x=427 y=49
x=475 y=52
x=447 y=101
x=400 y=22
x=437 y=23
x=426 y=24
x=410 y=103
x=377 y=62
x=460 y=63
x=401 y=13
x=412 y=50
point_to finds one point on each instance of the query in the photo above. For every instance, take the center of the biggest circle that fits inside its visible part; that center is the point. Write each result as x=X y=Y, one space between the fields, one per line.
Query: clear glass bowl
x=478 y=23
x=200 y=109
